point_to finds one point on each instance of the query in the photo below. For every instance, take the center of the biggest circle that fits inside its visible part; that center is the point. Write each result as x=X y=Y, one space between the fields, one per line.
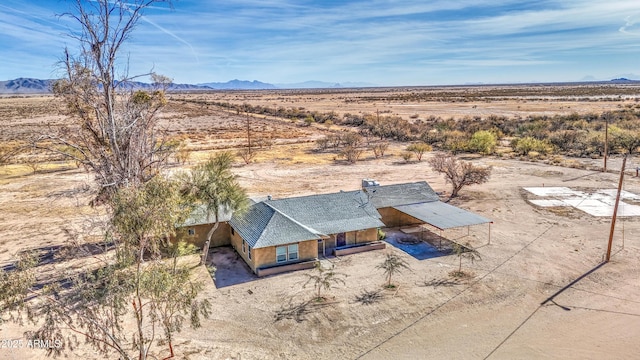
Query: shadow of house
x=230 y=268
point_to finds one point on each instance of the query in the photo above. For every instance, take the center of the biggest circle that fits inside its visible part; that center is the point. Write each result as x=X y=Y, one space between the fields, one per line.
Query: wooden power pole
x=615 y=209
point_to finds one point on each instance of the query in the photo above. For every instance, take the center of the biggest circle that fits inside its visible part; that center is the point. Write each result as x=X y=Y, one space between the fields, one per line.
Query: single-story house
x=276 y=235
x=294 y=231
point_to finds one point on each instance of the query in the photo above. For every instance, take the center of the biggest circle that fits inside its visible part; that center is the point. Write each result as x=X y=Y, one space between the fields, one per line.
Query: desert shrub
x=419 y=149
x=351 y=153
x=309 y=120
x=525 y=145
x=623 y=140
x=381 y=234
x=351 y=139
x=483 y=142
x=334 y=141
x=379 y=148
x=247 y=154
x=407 y=156
x=455 y=141
x=322 y=143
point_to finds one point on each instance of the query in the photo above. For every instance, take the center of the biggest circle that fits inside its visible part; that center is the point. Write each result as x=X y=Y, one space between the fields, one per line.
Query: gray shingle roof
x=262 y=226
x=401 y=194
x=331 y=213
x=285 y=221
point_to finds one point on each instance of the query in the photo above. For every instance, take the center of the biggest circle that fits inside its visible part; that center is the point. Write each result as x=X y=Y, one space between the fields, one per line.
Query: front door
x=341 y=240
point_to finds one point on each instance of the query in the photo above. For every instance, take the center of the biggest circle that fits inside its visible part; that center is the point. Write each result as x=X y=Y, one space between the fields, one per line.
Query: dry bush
x=351 y=139
x=247 y=154
x=379 y=148
x=322 y=143
x=419 y=149
x=351 y=153
x=407 y=156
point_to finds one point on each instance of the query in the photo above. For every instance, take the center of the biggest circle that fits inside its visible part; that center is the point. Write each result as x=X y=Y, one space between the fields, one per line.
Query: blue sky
x=382 y=42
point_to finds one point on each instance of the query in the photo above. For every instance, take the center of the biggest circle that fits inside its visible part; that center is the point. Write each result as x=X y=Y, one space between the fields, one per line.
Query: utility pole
x=606 y=140
x=615 y=209
x=248 y=134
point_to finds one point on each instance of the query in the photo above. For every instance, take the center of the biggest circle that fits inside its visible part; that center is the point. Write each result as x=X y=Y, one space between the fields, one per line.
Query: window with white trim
x=287 y=253
x=293 y=252
x=244 y=246
x=249 y=251
x=192 y=232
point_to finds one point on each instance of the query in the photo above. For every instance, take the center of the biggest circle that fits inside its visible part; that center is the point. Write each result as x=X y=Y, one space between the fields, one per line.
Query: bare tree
x=124 y=302
x=114 y=130
x=459 y=173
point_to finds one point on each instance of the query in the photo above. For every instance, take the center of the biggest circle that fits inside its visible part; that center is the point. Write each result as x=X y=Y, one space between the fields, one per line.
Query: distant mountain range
x=39 y=86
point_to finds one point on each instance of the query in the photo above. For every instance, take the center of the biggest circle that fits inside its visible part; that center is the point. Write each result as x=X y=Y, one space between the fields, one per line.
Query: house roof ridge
x=307 y=228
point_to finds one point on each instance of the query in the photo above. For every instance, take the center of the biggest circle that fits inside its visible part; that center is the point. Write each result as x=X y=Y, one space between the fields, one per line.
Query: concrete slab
x=600 y=203
x=549 y=203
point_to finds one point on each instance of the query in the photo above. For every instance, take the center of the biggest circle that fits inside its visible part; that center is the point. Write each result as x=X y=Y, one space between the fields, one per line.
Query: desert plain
x=540 y=291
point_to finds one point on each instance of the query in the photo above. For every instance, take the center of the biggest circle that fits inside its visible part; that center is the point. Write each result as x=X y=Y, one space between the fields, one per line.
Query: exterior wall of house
x=236 y=243
x=394 y=218
x=220 y=238
x=265 y=257
x=362 y=236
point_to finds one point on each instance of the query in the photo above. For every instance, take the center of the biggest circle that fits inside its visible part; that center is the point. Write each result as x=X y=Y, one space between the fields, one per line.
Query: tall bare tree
x=114 y=130
x=130 y=300
x=459 y=173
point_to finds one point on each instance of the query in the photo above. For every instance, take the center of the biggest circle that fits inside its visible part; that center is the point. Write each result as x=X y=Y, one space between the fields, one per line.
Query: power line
x=454 y=296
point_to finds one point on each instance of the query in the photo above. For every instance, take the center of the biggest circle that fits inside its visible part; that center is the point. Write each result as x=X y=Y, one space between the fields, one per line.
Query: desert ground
x=521 y=301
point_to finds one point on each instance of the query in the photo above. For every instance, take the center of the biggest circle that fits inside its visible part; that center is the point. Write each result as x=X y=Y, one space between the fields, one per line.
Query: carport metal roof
x=442 y=216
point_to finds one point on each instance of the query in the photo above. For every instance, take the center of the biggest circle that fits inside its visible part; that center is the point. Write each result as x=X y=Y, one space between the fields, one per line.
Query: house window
x=249 y=251
x=293 y=252
x=244 y=246
x=192 y=232
x=281 y=253
x=233 y=231
x=287 y=253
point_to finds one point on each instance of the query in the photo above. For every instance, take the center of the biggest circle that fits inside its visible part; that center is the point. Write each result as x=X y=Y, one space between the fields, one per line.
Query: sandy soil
x=498 y=313
x=533 y=253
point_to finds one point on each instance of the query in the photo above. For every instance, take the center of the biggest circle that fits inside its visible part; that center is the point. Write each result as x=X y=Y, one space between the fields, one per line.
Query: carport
x=443 y=216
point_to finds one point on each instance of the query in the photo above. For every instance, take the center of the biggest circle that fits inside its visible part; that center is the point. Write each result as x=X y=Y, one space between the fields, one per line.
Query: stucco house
x=277 y=235
x=287 y=234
